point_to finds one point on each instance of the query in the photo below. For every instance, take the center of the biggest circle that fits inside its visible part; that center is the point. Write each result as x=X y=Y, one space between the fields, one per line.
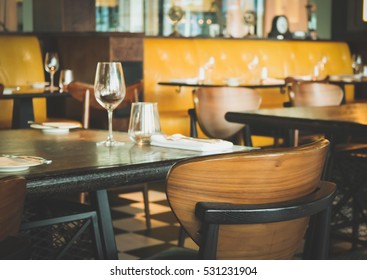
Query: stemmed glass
x=51 y=66
x=357 y=64
x=252 y=66
x=109 y=90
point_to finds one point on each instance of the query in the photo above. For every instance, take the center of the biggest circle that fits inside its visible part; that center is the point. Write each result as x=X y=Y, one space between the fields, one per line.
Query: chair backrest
x=259 y=176
x=12 y=197
x=212 y=103
x=313 y=93
x=84 y=93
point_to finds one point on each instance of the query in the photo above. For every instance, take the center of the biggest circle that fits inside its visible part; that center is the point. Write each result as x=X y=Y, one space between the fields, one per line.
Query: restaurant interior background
x=84 y=32
x=329 y=19
x=87 y=31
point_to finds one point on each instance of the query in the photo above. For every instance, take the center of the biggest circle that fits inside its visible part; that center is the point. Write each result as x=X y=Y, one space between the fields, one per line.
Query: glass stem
x=51 y=80
x=110 y=137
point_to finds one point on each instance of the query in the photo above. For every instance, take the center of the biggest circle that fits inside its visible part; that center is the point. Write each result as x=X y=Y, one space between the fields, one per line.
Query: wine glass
x=252 y=66
x=357 y=63
x=51 y=66
x=109 y=90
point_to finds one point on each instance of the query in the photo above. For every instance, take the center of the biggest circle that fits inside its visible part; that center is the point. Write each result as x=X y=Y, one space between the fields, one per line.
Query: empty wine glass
x=109 y=90
x=252 y=66
x=51 y=66
x=357 y=64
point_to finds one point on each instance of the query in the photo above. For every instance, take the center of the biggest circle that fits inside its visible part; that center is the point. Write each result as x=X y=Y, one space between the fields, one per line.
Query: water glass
x=66 y=77
x=144 y=122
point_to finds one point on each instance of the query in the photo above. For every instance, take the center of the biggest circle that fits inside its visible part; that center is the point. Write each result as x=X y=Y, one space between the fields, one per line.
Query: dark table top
x=33 y=94
x=348 y=118
x=78 y=164
x=183 y=84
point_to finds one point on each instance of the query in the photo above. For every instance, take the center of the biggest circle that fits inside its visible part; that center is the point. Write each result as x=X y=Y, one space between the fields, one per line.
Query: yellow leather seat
x=179 y=58
x=21 y=65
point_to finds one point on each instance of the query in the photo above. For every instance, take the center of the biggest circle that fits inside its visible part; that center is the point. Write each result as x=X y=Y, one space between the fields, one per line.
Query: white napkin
x=345 y=77
x=179 y=141
x=185 y=81
x=272 y=81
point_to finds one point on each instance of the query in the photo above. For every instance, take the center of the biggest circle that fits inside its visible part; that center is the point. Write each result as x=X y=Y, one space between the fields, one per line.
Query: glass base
x=109 y=143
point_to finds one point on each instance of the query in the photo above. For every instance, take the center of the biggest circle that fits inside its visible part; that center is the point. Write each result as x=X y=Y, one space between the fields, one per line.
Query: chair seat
x=15 y=248
x=176 y=253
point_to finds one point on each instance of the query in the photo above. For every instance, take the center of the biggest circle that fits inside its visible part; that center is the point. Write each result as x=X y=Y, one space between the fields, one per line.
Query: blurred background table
x=23 y=110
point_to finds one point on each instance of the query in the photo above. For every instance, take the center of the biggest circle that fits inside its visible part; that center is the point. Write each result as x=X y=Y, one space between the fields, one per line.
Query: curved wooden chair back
x=212 y=103
x=313 y=93
x=84 y=93
x=259 y=176
x=12 y=197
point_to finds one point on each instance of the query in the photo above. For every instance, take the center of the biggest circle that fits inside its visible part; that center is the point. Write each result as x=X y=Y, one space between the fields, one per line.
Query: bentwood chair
x=84 y=93
x=12 y=197
x=312 y=94
x=253 y=205
x=211 y=104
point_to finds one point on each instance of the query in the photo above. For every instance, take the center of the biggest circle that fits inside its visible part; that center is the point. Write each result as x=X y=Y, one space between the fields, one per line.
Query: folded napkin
x=55 y=127
x=345 y=77
x=179 y=141
x=303 y=78
x=272 y=81
x=185 y=81
x=9 y=90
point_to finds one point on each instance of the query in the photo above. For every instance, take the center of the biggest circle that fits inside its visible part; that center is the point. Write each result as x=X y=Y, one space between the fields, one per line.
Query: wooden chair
x=84 y=93
x=12 y=197
x=219 y=186
x=211 y=104
x=312 y=94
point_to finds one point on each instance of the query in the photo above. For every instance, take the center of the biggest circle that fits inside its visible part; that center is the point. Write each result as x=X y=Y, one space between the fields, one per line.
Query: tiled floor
x=133 y=240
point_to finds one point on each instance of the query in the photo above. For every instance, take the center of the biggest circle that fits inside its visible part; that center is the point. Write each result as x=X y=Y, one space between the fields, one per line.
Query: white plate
x=40 y=85
x=55 y=127
x=16 y=164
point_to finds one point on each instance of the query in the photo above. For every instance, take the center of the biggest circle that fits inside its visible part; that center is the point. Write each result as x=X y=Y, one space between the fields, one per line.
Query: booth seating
x=166 y=59
x=21 y=65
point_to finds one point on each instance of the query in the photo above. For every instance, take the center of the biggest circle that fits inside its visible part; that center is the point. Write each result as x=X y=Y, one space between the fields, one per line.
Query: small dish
x=39 y=85
x=233 y=82
x=55 y=127
x=16 y=164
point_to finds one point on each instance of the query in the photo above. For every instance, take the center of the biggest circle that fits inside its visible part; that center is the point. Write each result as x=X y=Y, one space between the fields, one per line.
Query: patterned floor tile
x=167 y=217
x=137 y=224
x=166 y=233
x=153 y=196
x=130 y=241
x=148 y=252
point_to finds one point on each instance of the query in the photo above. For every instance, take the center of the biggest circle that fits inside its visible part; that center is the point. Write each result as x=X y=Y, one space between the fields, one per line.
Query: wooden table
x=23 y=104
x=79 y=165
x=345 y=119
x=334 y=121
x=281 y=86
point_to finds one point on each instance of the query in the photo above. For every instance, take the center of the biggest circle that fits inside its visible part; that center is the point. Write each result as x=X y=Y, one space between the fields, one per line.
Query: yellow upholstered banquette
x=167 y=58
x=21 y=65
